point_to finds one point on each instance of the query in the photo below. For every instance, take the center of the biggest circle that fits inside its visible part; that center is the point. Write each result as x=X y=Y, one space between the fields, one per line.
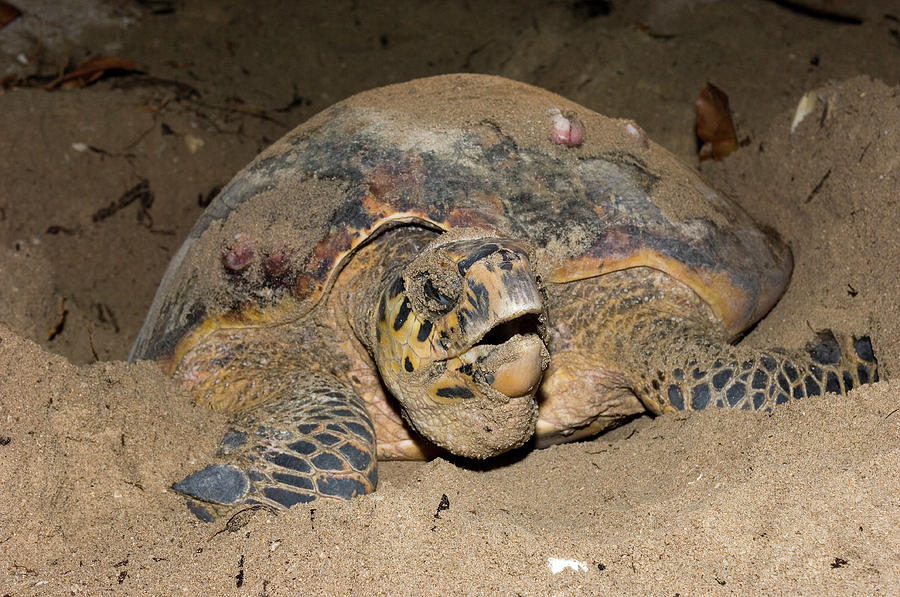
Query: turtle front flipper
x=713 y=375
x=316 y=443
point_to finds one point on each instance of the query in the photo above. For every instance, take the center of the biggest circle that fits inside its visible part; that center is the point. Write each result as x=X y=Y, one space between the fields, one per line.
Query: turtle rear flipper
x=736 y=377
x=317 y=442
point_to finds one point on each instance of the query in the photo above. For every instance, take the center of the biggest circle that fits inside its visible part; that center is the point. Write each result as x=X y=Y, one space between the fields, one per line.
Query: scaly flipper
x=714 y=375
x=638 y=339
x=316 y=443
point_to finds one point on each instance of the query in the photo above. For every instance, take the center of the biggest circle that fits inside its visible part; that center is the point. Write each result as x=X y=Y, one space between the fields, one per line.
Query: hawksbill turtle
x=464 y=263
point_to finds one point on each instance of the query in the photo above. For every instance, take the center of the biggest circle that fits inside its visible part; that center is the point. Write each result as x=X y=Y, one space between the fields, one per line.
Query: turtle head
x=459 y=342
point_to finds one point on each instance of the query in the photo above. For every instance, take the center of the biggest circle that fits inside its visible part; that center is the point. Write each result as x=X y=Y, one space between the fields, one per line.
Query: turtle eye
x=439 y=298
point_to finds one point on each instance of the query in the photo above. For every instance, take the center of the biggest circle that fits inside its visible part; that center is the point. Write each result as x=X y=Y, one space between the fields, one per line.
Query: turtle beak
x=520 y=365
x=498 y=324
x=513 y=368
x=500 y=298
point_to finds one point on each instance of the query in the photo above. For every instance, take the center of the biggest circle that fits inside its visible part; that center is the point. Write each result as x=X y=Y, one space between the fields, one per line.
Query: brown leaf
x=8 y=13
x=714 y=125
x=92 y=69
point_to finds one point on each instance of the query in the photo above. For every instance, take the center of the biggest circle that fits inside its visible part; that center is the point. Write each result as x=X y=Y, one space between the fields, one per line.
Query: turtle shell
x=589 y=194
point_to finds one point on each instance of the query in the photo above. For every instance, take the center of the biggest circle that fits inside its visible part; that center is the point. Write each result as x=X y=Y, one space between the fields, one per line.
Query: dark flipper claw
x=223 y=484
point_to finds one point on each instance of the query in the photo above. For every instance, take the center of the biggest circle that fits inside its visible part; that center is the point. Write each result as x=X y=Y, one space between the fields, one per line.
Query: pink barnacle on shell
x=277 y=266
x=567 y=130
x=638 y=133
x=239 y=255
x=277 y=263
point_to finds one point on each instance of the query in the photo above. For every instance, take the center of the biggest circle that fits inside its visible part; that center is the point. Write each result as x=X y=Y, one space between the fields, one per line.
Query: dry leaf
x=92 y=69
x=714 y=125
x=8 y=13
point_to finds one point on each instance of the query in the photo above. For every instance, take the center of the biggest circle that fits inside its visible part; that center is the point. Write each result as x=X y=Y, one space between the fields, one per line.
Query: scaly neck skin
x=604 y=331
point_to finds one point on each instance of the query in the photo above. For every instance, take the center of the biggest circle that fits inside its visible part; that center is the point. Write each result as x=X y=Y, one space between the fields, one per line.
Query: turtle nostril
x=523 y=325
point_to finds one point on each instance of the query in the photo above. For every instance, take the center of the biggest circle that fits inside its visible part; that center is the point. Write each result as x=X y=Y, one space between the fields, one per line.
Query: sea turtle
x=464 y=263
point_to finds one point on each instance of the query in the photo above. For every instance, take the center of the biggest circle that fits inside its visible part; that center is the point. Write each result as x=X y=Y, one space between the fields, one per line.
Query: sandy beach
x=100 y=183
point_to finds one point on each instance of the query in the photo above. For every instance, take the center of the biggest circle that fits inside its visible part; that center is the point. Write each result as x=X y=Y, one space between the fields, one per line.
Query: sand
x=802 y=501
